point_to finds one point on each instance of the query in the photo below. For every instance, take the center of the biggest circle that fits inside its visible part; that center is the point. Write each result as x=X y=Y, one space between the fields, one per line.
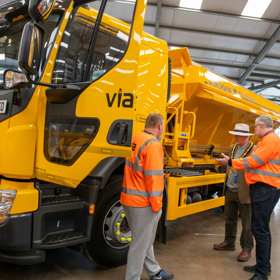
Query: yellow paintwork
x=4 y=126
x=216 y=103
x=205 y=106
x=27 y=197
x=177 y=185
x=18 y=142
x=19 y=153
x=145 y=56
x=197 y=207
x=152 y=93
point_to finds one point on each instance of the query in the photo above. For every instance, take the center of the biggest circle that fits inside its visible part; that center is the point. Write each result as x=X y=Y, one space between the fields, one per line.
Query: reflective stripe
x=264 y=173
x=142 y=194
x=134 y=166
x=257 y=159
x=153 y=172
x=275 y=135
x=142 y=147
x=275 y=161
x=245 y=162
x=156 y=193
x=135 y=192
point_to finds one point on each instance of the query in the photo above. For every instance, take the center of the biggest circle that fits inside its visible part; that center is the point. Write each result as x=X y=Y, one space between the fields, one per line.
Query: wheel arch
x=105 y=169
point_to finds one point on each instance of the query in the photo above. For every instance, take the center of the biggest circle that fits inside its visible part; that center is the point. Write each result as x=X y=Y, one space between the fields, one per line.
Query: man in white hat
x=237 y=197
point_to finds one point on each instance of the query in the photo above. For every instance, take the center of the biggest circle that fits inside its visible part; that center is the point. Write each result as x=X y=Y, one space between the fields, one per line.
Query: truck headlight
x=7 y=198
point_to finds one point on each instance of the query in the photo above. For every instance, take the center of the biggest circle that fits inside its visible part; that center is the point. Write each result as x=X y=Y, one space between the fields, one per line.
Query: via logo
x=124 y=99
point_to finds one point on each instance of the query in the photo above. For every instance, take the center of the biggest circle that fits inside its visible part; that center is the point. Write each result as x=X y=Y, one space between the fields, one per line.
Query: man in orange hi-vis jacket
x=262 y=174
x=141 y=199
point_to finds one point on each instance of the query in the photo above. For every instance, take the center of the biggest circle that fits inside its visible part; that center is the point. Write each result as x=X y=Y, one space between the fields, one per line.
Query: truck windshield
x=10 y=37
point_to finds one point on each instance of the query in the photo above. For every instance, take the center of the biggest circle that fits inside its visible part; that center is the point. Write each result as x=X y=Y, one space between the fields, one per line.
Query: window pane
x=109 y=47
x=10 y=37
x=67 y=138
x=112 y=39
x=70 y=62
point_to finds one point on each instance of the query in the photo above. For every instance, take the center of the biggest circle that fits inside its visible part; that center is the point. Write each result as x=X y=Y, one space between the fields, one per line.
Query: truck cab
x=75 y=85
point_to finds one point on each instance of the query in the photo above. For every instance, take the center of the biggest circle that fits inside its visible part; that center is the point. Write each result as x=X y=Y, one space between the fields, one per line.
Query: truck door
x=97 y=54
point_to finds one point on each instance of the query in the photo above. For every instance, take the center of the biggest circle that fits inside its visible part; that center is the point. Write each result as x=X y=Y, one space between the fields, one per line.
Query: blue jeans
x=263 y=198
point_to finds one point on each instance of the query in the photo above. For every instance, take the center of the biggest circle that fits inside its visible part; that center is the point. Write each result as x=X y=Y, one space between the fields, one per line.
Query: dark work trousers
x=232 y=205
x=263 y=197
x=276 y=196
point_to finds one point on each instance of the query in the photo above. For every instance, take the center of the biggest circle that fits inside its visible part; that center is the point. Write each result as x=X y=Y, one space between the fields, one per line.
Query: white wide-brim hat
x=241 y=129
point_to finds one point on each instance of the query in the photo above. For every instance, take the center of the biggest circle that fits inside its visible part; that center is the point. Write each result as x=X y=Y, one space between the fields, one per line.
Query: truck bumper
x=16 y=232
x=16 y=248
x=23 y=257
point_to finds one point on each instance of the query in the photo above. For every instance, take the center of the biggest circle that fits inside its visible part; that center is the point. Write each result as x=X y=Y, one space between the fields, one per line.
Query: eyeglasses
x=257 y=125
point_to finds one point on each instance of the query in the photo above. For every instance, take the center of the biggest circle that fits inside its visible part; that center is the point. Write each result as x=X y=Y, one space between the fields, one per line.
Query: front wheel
x=110 y=235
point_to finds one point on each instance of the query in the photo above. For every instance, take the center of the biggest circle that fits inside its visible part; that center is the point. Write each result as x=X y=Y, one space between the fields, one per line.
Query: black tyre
x=110 y=235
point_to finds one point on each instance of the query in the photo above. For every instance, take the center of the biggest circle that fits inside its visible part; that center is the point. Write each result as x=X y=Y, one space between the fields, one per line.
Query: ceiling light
x=191 y=4
x=255 y=8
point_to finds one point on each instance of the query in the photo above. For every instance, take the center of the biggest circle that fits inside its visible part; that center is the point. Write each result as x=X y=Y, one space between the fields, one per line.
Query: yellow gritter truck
x=87 y=82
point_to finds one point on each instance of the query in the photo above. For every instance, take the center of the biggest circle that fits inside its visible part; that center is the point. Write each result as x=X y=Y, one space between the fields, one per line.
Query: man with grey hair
x=237 y=197
x=262 y=171
x=141 y=199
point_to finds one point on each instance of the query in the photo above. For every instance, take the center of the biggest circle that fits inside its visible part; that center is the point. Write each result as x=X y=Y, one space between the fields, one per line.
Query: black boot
x=253 y=269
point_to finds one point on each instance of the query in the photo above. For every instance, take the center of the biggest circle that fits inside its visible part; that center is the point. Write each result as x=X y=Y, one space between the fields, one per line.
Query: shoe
x=253 y=269
x=162 y=276
x=244 y=256
x=256 y=277
x=224 y=246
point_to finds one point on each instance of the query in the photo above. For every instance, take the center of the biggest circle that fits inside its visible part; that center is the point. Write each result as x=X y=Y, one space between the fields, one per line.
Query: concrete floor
x=189 y=254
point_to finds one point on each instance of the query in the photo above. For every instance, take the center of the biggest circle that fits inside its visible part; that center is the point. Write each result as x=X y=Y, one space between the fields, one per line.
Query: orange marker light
x=91 y=209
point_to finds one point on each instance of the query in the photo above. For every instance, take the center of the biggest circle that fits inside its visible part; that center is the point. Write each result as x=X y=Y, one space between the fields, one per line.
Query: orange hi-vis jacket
x=264 y=163
x=143 y=176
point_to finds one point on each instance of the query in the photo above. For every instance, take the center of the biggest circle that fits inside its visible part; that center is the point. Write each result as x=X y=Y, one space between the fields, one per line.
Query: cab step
x=50 y=200
x=56 y=238
x=63 y=218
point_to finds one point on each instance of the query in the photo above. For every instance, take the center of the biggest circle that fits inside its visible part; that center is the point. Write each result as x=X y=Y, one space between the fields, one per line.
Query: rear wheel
x=110 y=235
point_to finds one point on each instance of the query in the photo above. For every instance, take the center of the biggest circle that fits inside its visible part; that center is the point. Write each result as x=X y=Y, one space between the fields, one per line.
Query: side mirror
x=14 y=79
x=40 y=10
x=31 y=48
